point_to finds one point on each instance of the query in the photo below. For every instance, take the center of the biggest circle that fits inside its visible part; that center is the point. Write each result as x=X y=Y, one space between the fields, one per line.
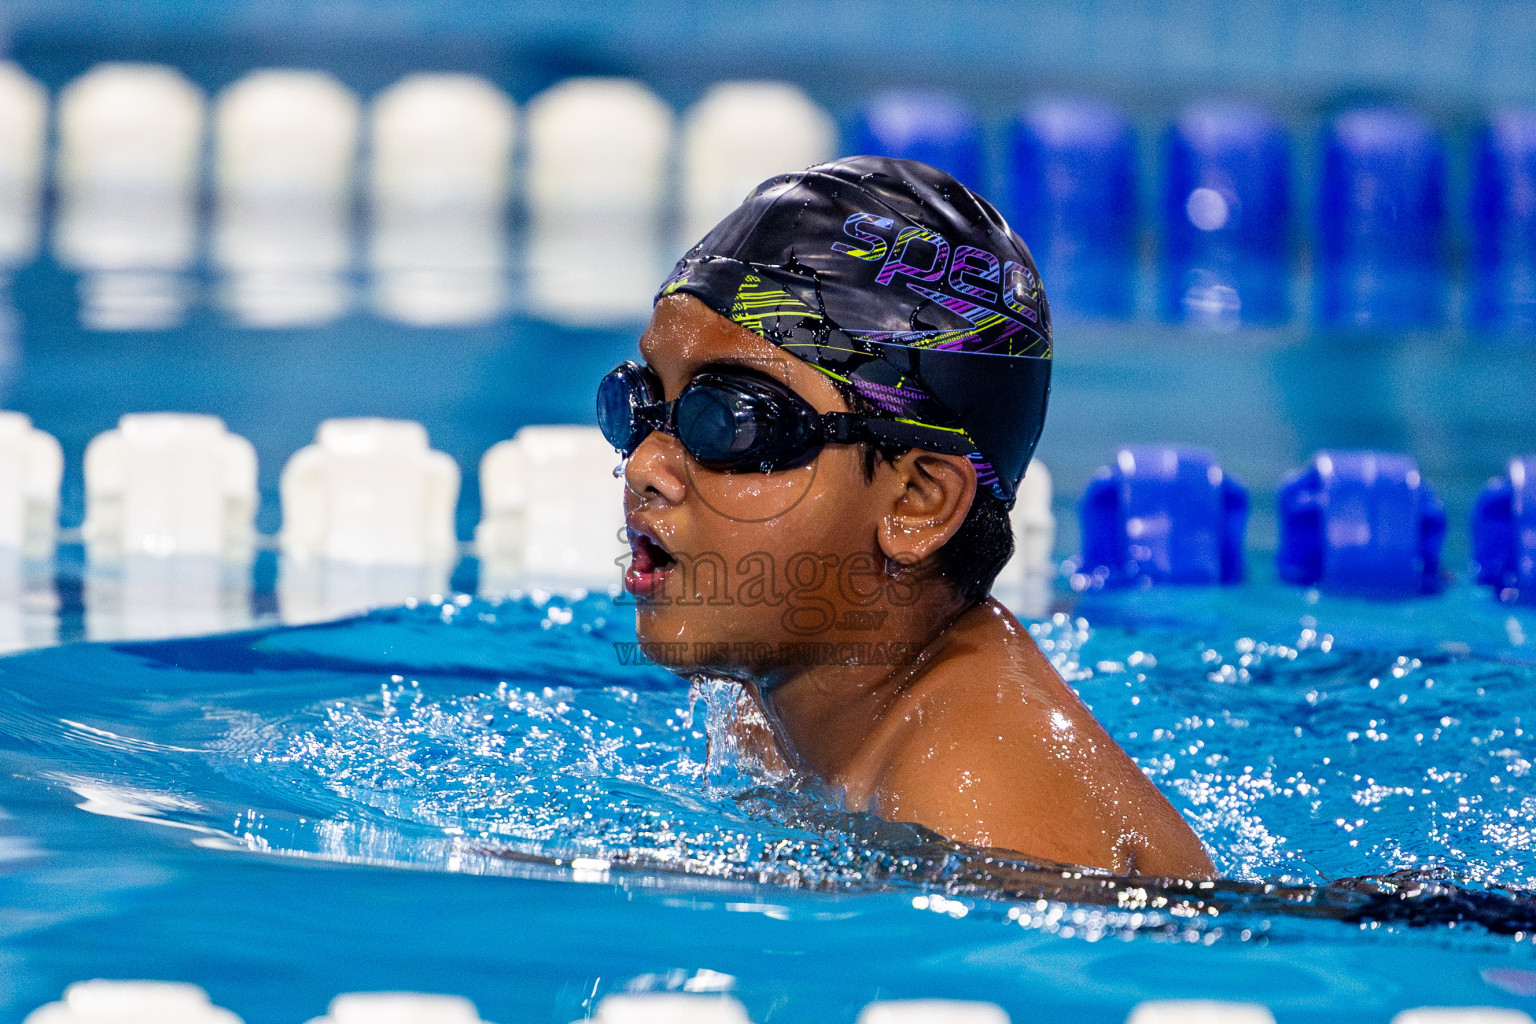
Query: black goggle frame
x=792 y=432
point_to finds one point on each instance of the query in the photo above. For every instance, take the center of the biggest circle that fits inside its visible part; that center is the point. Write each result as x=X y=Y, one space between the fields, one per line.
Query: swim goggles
x=734 y=420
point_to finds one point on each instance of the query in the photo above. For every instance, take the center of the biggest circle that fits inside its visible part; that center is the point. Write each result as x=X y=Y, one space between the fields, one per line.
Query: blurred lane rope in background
x=336 y=210
x=438 y=192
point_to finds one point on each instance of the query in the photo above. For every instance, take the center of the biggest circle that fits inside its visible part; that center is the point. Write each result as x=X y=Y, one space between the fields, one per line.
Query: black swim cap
x=903 y=285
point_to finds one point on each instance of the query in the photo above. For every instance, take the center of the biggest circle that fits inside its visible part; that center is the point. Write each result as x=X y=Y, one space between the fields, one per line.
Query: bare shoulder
x=990 y=747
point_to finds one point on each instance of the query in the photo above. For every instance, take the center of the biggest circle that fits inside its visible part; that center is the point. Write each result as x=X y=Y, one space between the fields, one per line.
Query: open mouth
x=649 y=563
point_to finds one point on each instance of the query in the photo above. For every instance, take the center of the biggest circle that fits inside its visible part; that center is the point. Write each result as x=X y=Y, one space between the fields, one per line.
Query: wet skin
x=812 y=586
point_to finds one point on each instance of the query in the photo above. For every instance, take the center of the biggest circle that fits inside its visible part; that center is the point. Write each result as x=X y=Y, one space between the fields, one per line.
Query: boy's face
x=745 y=572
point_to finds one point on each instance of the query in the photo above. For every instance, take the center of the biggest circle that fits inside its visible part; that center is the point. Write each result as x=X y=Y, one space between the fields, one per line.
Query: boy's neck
x=824 y=713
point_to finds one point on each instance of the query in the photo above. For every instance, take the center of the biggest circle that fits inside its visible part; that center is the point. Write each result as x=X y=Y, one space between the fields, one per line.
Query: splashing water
x=481 y=738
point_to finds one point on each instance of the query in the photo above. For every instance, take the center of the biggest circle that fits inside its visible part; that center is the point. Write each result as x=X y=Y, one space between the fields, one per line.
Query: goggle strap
x=848 y=428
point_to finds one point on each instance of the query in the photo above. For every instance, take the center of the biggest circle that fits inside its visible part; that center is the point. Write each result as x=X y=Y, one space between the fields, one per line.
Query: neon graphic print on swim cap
x=903 y=285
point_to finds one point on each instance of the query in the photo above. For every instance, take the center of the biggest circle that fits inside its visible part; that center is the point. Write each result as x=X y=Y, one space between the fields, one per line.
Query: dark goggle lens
x=719 y=425
x=619 y=396
x=722 y=421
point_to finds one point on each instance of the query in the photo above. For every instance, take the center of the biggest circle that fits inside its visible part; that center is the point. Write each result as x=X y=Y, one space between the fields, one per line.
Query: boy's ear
x=934 y=497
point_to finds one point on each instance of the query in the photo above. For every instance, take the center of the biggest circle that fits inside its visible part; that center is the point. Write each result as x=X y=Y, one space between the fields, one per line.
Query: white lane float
x=1199 y=1011
x=285 y=153
x=740 y=134
x=669 y=1008
x=399 y=1008
x=23 y=148
x=439 y=180
x=170 y=506
x=552 y=512
x=598 y=154
x=132 y=1002
x=932 y=1011
x=31 y=467
x=368 y=519
x=1026 y=583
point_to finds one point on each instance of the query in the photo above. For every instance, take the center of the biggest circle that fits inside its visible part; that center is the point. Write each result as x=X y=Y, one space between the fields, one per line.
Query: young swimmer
x=842 y=386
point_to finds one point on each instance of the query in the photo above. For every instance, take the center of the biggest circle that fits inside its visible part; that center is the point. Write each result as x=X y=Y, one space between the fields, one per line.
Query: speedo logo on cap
x=970 y=282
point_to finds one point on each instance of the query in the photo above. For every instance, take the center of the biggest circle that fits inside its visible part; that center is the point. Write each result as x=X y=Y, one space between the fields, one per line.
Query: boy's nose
x=656 y=469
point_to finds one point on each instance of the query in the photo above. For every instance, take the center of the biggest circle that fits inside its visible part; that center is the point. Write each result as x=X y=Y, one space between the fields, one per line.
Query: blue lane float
x=1362 y=523
x=1163 y=514
x=1381 y=214
x=918 y=124
x=1226 y=207
x=1503 y=220
x=1072 y=192
x=1504 y=532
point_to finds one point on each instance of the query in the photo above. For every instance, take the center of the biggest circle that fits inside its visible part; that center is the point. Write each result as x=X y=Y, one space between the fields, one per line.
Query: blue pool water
x=482 y=798
x=486 y=799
